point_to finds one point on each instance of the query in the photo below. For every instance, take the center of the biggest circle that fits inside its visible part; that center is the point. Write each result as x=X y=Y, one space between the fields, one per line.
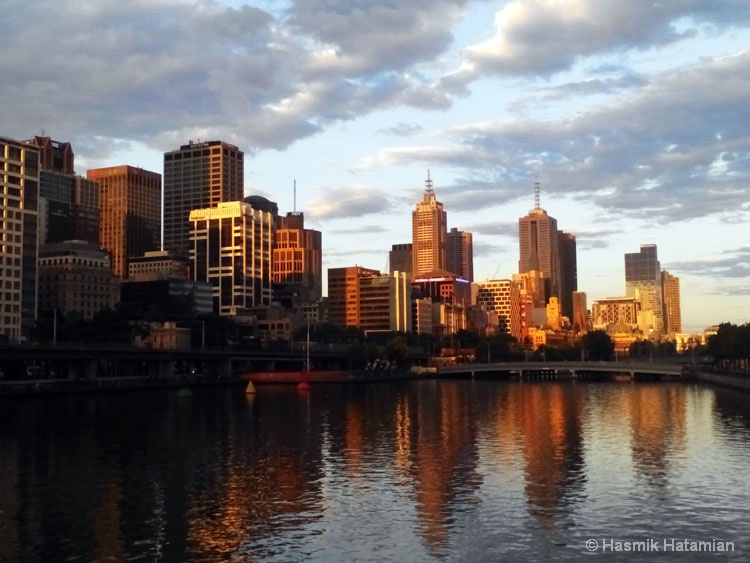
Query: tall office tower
x=568 y=272
x=539 y=247
x=68 y=204
x=76 y=276
x=129 y=212
x=297 y=265
x=231 y=249
x=19 y=183
x=580 y=317
x=429 y=233
x=503 y=297
x=460 y=254
x=643 y=282
x=670 y=287
x=344 y=294
x=399 y=258
x=198 y=176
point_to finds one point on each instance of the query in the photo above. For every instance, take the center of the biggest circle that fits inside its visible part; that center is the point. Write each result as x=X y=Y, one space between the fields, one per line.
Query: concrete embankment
x=734 y=381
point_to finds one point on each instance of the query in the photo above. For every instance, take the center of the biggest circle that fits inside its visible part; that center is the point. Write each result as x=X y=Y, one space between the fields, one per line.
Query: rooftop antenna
x=295 y=196
x=537 y=195
x=428 y=182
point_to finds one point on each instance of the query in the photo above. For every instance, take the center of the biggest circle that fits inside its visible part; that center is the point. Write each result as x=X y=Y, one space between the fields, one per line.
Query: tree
x=598 y=345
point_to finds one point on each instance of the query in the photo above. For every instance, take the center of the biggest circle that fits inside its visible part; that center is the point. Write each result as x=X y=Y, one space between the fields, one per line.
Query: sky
x=633 y=116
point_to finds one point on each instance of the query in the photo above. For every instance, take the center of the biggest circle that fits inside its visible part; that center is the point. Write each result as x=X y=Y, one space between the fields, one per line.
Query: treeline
x=730 y=347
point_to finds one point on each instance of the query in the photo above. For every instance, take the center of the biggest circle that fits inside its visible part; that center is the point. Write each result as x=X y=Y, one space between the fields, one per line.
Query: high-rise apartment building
x=19 y=184
x=670 y=286
x=399 y=258
x=429 y=233
x=297 y=262
x=231 y=249
x=198 y=176
x=643 y=282
x=538 y=239
x=460 y=254
x=129 y=212
x=68 y=204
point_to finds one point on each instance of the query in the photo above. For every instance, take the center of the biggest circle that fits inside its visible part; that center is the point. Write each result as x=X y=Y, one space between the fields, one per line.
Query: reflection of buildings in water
x=106 y=519
x=9 y=501
x=355 y=438
x=657 y=424
x=403 y=454
x=550 y=417
x=445 y=457
x=257 y=478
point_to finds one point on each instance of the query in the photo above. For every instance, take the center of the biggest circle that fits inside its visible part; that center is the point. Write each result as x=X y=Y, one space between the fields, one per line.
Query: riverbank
x=733 y=381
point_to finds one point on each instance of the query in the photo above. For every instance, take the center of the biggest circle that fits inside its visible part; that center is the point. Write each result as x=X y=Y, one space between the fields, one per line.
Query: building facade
x=198 y=176
x=158 y=265
x=429 y=234
x=580 y=318
x=538 y=239
x=231 y=247
x=568 y=272
x=19 y=183
x=643 y=283
x=129 y=213
x=344 y=290
x=76 y=276
x=400 y=258
x=670 y=286
x=297 y=262
x=502 y=297
x=460 y=254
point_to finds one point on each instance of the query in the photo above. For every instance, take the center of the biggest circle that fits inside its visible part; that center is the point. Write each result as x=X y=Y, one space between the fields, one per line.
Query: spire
x=428 y=182
x=537 y=195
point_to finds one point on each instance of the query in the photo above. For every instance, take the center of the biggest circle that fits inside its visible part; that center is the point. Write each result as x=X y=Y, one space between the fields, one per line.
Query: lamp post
x=651 y=345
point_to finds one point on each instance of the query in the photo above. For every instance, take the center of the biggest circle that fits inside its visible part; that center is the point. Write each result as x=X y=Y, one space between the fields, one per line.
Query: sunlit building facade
x=231 y=246
x=670 y=286
x=460 y=254
x=129 y=213
x=19 y=183
x=297 y=262
x=502 y=297
x=429 y=233
x=643 y=283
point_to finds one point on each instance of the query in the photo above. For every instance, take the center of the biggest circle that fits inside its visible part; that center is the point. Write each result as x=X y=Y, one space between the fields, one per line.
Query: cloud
x=544 y=37
x=349 y=202
x=731 y=264
x=402 y=129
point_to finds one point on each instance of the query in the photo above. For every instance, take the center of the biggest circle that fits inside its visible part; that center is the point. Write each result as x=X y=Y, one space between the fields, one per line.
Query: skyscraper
x=297 y=261
x=429 y=233
x=539 y=247
x=198 y=176
x=19 y=184
x=231 y=249
x=568 y=272
x=670 y=287
x=460 y=254
x=643 y=282
x=129 y=213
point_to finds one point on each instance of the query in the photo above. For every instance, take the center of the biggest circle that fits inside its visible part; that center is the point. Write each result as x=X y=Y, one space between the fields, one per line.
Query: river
x=413 y=471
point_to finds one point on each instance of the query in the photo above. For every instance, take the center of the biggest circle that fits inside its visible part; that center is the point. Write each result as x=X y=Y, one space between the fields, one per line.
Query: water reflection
x=423 y=471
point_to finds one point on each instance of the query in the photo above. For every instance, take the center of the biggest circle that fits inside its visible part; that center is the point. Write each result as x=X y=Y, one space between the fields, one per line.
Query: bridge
x=564 y=370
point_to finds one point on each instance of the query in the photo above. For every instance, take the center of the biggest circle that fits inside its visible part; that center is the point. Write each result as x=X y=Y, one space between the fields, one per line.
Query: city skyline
x=633 y=120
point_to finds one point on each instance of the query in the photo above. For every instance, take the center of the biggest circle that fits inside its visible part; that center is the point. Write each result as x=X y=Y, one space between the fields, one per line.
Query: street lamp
x=651 y=345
